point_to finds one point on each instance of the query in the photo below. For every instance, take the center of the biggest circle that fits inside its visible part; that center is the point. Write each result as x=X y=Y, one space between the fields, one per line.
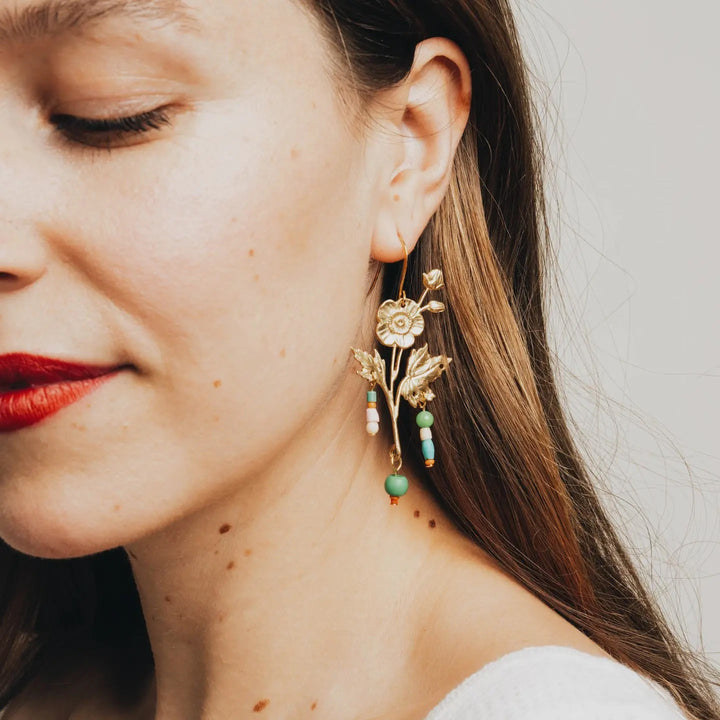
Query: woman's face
x=219 y=247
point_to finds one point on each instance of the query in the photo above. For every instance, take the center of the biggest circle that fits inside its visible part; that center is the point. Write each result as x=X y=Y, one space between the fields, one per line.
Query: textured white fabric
x=553 y=682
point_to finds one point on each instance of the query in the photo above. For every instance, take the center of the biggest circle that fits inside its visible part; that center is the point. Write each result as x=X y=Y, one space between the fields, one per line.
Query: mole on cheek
x=217 y=383
x=261 y=705
x=431 y=523
x=416 y=513
x=230 y=565
x=224 y=528
x=167 y=599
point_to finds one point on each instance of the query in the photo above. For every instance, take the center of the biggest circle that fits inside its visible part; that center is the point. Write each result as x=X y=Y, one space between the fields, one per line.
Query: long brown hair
x=516 y=485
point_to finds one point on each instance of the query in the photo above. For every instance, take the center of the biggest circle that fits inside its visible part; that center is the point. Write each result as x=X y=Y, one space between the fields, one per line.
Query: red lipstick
x=33 y=387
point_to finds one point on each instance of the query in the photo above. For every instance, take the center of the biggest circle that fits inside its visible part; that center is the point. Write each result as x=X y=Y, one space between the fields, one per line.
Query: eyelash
x=106 y=132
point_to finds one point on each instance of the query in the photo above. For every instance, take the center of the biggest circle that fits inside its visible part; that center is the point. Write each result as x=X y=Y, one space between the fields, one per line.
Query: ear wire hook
x=401 y=292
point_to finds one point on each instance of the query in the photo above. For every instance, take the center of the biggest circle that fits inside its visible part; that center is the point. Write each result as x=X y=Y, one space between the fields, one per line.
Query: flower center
x=400 y=323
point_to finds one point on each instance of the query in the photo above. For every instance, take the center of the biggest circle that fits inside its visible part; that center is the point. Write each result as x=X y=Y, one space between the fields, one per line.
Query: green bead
x=424 y=419
x=372 y=396
x=396 y=485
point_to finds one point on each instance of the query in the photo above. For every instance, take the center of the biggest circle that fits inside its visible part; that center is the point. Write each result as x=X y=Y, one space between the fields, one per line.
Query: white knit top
x=553 y=682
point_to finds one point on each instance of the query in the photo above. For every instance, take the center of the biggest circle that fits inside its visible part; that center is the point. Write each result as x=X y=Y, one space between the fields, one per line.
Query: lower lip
x=20 y=408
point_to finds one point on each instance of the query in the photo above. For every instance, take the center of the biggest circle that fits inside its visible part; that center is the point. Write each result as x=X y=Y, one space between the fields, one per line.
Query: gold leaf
x=433 y=280
x=422 y=369
x=373 y=367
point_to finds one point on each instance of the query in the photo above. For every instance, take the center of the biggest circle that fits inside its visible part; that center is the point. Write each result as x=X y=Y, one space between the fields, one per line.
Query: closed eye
x=109 y=132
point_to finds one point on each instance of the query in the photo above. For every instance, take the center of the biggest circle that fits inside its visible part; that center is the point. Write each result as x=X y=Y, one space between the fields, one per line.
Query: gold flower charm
x=399 y=322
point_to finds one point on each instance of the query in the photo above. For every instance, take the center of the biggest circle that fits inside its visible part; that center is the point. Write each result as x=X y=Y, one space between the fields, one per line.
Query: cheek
x=237 y=269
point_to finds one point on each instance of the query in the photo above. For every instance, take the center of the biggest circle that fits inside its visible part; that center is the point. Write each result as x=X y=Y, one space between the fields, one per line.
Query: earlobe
x=432 y=108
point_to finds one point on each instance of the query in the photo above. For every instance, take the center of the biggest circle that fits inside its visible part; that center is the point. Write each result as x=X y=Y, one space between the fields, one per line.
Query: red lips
x=33 y=387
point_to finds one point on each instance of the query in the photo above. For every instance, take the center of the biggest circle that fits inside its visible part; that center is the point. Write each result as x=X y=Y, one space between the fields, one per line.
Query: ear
x=427 y=115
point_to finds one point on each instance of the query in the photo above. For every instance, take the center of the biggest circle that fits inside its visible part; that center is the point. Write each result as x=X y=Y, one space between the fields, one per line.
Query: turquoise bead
x=424 y=419
x=396 y=485
x=428 y=449
x=372 y=396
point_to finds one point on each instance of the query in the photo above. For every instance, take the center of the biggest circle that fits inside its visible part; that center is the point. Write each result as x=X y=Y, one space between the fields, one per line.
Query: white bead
x=425 y=434
x=372 y=428
x=372 y=415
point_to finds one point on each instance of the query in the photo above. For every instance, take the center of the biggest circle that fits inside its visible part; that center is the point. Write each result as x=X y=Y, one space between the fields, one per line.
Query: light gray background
x=629 y=97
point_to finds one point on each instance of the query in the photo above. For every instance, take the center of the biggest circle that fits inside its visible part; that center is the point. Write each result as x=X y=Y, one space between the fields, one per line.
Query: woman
x=204 y=184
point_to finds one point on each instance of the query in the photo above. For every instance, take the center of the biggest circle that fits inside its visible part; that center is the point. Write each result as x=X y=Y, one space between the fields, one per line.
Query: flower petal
x=418 y=324
x=405 y=341
x=387 y=310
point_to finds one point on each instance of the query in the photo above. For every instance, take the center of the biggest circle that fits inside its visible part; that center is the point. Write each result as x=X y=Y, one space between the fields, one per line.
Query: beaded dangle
x=399 y=322
x=372 y=417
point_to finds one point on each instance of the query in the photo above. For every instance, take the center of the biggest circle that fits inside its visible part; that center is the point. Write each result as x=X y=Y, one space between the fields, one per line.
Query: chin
x=53 y=531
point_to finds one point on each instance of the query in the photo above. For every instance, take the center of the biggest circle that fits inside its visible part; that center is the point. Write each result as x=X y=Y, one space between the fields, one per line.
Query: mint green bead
x=428 y=449
x=396 y=485
x=424 y=419
x=372 y=396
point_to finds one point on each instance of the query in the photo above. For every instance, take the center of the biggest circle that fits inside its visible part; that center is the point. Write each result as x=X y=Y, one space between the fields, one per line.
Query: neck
x=304 y=590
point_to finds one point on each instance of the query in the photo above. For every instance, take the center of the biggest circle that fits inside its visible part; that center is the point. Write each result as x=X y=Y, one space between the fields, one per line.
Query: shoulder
x=555 y=682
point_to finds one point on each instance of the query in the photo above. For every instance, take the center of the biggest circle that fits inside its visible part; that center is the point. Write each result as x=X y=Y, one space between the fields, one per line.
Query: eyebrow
x=58 y=17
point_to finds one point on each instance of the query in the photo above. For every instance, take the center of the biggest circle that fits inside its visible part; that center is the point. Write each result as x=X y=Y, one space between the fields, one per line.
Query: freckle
x=221 y=617
x=314 y=104
x=167 y=599
x=216 y=418
x=431 y=523
x=256 y=277
x=313 y=706
x=217 y=383
x=294 y=153
x=230 y=565
x=224 y=528
x=116 y=508
x=416 y=513
x=396 y=198
x=261 y=705
x=216 y=552
x=248 y=552
x=251 y=252
x=282 y=353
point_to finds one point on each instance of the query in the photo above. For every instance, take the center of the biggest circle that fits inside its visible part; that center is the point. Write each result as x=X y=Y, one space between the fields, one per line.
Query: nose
x=22 y=188
x=22 y=258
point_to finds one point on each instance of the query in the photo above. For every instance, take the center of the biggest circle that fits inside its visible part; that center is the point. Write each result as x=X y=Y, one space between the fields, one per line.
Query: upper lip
x=22 y=369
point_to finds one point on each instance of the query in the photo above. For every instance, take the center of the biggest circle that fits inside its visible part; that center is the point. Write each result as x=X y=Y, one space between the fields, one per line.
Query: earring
x=399 y=322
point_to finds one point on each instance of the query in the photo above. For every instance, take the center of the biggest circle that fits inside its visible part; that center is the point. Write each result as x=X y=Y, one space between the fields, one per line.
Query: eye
x=109 y=132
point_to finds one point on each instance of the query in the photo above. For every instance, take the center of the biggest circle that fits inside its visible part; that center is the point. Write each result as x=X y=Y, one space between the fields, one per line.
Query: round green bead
x=396 y=485
x=424 y=419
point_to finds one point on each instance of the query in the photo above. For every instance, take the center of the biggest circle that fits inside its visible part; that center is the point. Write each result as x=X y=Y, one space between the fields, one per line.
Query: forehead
x=32 y=20
x=38 y=19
